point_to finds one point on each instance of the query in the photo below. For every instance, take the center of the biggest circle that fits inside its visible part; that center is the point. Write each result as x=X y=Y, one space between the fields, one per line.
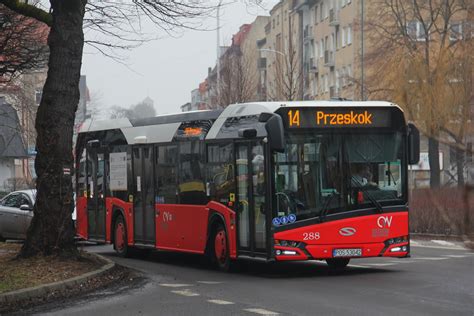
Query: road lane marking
x=175 y=285
x=401 y=261
x=260 y=311
x=220 y=302
x=430 y=258
x=185 y=292
x=357 y=266
x=455 y=256
x=443 y=242
x=414 y=243
x=438 y=247
x=380 y=264
x=209 y=282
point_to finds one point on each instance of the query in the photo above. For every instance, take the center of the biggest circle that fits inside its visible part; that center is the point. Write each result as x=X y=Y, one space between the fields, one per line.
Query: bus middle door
x=251 y=219
x=144 y=195
x=96 y=193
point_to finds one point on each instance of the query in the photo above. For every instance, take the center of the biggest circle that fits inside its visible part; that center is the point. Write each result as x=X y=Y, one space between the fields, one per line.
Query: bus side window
x=220 y=173
x=191 y=176
x=166 y=161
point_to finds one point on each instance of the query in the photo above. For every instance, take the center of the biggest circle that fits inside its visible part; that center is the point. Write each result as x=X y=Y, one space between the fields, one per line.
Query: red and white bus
x=310 y=180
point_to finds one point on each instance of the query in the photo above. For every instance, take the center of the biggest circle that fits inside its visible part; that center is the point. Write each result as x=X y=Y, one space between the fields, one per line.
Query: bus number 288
x=311 y=236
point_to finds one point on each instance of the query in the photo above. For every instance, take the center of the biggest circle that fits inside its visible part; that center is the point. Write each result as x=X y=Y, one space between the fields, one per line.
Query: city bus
x=278 y=181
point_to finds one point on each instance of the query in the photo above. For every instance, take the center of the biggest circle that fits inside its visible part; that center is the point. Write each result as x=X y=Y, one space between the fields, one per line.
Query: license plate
x=353 y=252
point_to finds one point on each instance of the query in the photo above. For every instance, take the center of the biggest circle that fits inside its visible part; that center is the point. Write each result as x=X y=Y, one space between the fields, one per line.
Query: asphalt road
x=435 y=281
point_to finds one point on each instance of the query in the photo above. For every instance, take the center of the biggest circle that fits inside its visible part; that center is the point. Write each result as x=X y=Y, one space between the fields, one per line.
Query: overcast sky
x=166 y=69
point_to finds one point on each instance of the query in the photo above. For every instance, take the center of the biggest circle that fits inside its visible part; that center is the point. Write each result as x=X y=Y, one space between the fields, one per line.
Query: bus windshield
x=320 y=174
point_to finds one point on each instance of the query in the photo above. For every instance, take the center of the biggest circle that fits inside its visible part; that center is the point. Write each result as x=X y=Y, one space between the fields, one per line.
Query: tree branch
x=29 y=10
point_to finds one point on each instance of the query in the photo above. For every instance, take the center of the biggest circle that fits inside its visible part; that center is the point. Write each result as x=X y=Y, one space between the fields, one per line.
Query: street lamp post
x=272 y=51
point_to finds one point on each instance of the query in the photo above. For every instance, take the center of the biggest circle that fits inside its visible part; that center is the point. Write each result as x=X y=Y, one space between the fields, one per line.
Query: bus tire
x=219 y=246
x=120 y=237
x=338 y=263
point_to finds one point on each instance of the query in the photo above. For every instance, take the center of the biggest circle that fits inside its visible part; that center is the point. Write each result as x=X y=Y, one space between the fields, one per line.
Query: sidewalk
x=437 y=243
x=29 y=296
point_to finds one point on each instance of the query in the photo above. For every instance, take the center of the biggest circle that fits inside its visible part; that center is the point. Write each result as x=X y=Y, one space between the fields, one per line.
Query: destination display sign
x=335 y=118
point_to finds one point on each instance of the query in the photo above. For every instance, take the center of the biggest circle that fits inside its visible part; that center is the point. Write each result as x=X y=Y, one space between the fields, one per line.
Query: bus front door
x=96 y=194
x=144 y=195
x=250 y=209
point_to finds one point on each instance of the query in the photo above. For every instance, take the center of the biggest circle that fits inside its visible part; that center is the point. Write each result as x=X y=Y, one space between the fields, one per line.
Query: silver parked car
x=16 y=212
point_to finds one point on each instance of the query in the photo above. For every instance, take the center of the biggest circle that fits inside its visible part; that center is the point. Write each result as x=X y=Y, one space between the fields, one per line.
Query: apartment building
x=252 y=61
x=280 y=64
x=331 y=49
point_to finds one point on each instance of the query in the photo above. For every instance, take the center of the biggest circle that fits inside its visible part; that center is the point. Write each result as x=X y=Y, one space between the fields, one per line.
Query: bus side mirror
x=413 y=144
x=275 y=130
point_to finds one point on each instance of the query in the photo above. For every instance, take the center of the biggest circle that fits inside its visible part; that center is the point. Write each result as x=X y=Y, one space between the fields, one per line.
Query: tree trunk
x=433 y=156
x=51 y=231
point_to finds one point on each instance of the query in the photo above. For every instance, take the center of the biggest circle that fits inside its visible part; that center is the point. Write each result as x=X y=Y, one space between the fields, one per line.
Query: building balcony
x=329 y=58
x=308 y=33
x=334 y=17
x=313 y=66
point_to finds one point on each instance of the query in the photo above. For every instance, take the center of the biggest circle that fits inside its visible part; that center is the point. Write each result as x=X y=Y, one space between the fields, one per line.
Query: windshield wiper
x=369 y=196
x=325 y=208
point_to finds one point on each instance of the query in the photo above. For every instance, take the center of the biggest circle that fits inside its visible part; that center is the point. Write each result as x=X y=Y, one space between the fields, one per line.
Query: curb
x=40 y=290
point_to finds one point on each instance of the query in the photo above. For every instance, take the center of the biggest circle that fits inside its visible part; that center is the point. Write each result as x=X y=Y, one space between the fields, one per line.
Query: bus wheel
x=221 y=248
x=338 y=263
x=120 y=240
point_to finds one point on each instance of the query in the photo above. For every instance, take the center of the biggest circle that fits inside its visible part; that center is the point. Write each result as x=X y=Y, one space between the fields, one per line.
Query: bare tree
x=22 y=44
x=288 y=73
x=238 y=82
x=418 y=61
x=50 y=231
x=139 y=110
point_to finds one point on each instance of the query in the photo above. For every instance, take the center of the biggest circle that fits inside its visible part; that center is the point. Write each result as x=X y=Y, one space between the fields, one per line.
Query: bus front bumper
x=321 y=252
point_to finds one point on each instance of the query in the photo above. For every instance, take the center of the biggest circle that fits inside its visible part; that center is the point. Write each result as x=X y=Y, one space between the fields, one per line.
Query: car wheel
x=220 y=248
x=120 y=237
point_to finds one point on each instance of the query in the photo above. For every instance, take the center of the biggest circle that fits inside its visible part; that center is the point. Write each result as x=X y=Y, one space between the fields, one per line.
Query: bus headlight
x=396 y=240
x=287 y=243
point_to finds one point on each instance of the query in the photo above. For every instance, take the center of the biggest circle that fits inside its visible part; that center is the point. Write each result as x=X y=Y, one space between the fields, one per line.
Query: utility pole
x=362 y=79
x=218 y=51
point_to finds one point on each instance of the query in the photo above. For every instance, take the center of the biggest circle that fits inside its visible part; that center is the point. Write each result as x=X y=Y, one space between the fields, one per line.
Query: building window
x=38 y=96
x=455 y=32
x=321 y=49
x=349 y=74
x=349 y=34
x=321 y=13
x=343 y=76
x=343 y=36
x=316 y=20
x=416 y=31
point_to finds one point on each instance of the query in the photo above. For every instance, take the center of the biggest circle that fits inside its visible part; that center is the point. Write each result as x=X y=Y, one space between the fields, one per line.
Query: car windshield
x=333 y=173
